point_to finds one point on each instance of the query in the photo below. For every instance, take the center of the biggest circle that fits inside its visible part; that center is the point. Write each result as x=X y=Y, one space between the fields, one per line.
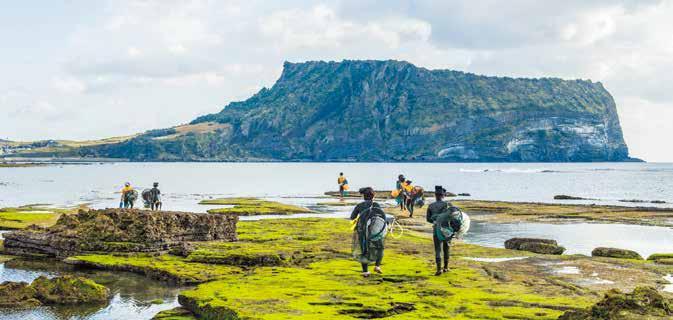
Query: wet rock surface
x=642 y=303
x=615 y=253
x=59 y=290
x=120 y=230
x=17 y=295
x=542 y=246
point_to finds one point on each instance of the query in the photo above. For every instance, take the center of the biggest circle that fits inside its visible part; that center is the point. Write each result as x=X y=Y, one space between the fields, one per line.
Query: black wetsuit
x=434 y=211
x=155 y=196
x=377 y=246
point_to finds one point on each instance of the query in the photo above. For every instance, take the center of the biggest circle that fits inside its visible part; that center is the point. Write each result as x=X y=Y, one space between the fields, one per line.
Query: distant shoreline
x=52 y=160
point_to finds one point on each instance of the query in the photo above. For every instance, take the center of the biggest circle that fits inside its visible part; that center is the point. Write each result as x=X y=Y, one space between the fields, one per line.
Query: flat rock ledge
x=615 y=253
x=542 y=246
x=120 y=230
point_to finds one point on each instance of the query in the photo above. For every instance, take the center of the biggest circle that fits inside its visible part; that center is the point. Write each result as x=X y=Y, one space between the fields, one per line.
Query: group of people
x=370 y=227
x=151 y=197
x=407 y=195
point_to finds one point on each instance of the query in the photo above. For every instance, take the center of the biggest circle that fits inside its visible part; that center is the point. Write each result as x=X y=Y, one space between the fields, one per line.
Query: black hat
x=156 y=184
x=440 y=190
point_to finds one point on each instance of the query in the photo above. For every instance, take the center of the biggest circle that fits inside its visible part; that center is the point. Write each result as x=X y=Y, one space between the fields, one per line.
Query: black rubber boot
x=439 y=269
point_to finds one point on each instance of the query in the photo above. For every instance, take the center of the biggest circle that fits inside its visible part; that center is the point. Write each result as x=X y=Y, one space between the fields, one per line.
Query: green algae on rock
x=660 y=256
x=615 y=253
x=542 y=246
x=69 y=290
x=17 y=295
x=60 y=290
x=642 y=303
x=175 y=314
x=20 y=218
x=252 y=206
x=276 y=242
x=165 y=267
x=334 y=289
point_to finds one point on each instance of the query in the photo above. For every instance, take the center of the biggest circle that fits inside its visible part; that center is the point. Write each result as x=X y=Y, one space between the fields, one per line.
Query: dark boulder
x=542 y=246
x=615 y=253
x=566 y=197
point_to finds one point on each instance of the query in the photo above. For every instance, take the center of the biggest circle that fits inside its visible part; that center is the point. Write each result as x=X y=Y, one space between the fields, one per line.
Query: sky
x=94 y=69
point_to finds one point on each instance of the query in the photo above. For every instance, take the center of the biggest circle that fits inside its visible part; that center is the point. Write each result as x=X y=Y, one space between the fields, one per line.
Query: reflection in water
x=132 y=294
x=577 y=238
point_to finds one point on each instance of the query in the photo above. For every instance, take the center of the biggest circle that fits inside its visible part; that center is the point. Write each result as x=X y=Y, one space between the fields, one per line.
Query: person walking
x=416 y=198
x=155 y=197
x=439 y=214
x=399 y=190
x=370 y=230
x=343 y=186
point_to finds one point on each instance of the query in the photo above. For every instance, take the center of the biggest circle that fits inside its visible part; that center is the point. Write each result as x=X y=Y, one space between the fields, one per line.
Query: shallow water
x=184 y=184
x=577 y=238
x=132 y=294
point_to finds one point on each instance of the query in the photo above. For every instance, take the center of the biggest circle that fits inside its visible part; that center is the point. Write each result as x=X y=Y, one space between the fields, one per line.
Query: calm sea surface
x=183 y=184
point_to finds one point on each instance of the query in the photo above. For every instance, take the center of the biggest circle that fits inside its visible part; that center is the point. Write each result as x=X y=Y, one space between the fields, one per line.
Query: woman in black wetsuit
x=371 y=248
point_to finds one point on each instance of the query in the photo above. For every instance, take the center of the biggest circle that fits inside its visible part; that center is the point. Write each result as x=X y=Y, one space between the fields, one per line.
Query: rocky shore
x=279 y=268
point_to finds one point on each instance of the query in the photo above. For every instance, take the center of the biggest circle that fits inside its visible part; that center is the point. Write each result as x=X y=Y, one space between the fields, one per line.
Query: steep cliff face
x=395 y=111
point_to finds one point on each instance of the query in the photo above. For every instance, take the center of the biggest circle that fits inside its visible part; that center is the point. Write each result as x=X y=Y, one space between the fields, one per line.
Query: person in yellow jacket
x=126 y=200
x=343 y=185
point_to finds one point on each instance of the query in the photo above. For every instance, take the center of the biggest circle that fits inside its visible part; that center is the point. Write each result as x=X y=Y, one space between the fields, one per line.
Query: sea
x=184 y=184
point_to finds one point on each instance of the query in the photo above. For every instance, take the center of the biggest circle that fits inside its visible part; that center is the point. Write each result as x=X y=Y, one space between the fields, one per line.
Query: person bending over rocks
x=370 y=230
x=439 y=214
x=128 y=196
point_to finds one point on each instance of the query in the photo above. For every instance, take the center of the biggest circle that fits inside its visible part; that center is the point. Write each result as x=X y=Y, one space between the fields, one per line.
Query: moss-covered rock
x=17 y=295
x=660 y=256
x=175 y=314
x=69 y=290
x=120 y=230
x=278 y=242
x=20 y=218
x=542 y=246
x=165 y=267
x=333 y=289
x=615 y=253
x=642 y=303
x=60 y=290
x=252 y=206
